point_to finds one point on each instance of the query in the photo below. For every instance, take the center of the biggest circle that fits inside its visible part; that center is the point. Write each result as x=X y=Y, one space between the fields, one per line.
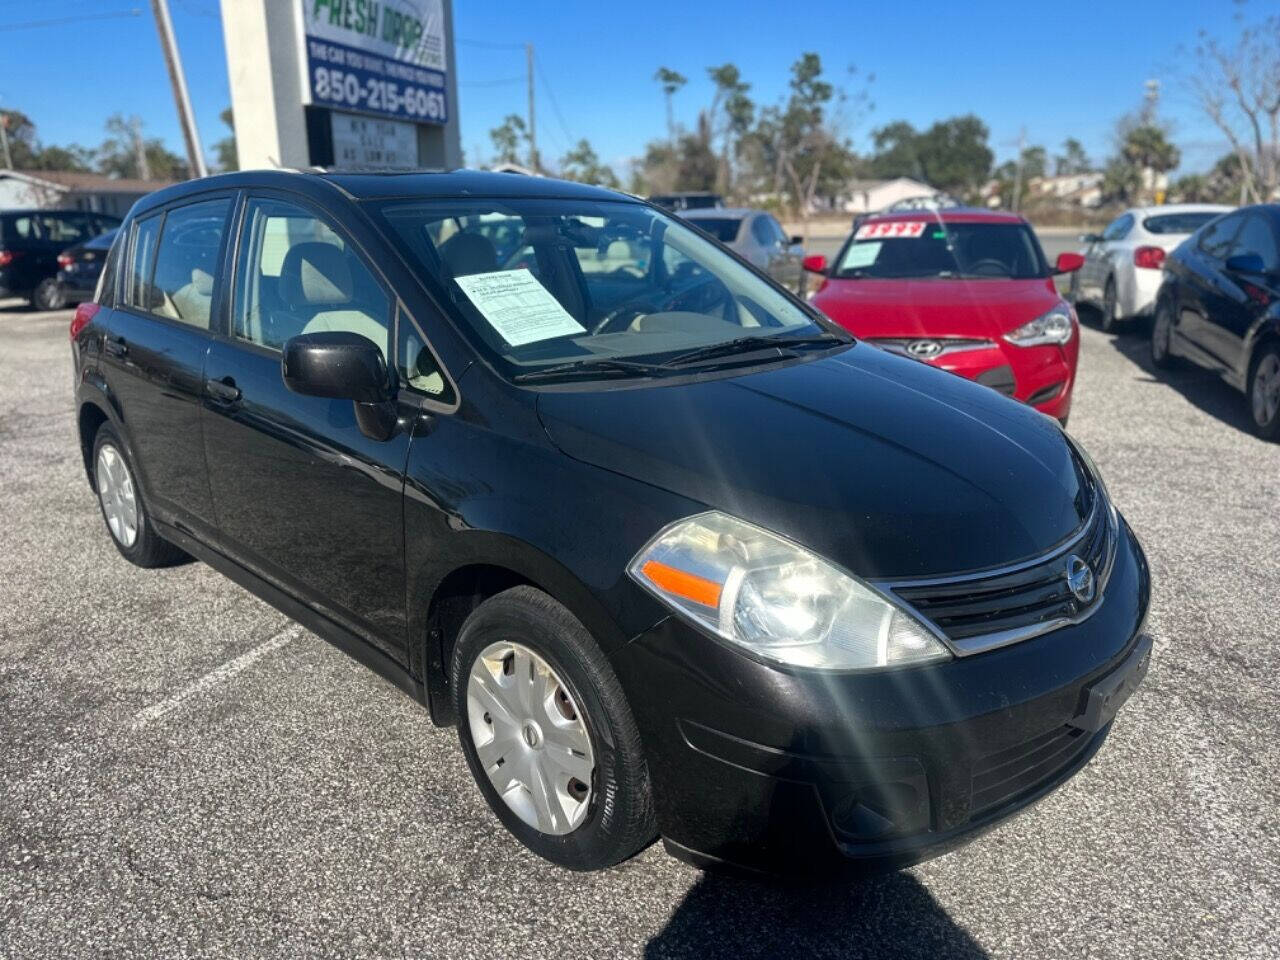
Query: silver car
x=756 y=236
x=1122 y=265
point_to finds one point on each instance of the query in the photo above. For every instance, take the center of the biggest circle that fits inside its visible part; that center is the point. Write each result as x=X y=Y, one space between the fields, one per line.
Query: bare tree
x=1238 y=88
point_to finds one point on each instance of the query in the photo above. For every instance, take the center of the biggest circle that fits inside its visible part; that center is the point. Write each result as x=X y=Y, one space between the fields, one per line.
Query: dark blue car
x=1219 y=306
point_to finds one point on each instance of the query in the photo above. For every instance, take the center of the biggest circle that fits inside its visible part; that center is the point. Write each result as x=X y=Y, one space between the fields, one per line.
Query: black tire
x=1110 y=306
x=1268 y=359
x=1162 y=337
x=619 y=819
x=48 y=295
x=147 y=548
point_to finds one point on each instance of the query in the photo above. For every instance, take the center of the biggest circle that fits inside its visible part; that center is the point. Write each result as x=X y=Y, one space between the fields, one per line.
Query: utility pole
x=533 y=126
x=139 y=149
x=1017 y=177
x=195 y=156
x=4 y=140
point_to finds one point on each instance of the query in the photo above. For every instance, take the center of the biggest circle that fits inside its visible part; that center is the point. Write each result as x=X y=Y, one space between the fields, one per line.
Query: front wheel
x=548 y=733
x=48 y=295
x=1264 y=393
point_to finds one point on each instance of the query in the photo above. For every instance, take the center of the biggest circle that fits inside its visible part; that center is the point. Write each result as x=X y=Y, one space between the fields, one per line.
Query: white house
x=868 y=196
x=48 y=189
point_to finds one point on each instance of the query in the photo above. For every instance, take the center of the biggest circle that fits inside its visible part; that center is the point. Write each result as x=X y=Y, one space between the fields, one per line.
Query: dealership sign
x=384 y=57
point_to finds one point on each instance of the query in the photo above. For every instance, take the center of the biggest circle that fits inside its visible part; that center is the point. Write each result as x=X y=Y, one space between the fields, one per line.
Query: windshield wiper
x=590 y=367
x=745 y=344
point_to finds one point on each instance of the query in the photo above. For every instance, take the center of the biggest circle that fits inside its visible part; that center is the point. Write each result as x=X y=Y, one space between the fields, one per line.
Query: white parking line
x=214 y=677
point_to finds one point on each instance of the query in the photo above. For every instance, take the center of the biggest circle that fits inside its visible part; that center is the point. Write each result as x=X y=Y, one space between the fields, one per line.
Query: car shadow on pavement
x=884 y=916
x=1199 y=387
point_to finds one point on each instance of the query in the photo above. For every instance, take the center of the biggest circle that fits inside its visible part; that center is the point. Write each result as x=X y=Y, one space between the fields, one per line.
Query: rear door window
x=1217 y=237
x=64 y=229
x=1256 y=236
x=187 y=261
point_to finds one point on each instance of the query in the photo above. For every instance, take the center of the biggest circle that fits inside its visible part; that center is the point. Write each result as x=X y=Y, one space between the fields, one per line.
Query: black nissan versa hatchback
x=677 y=555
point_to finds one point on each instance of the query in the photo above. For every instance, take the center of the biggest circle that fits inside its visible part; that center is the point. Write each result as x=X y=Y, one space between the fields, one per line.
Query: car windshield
x=1179 y=222
x=920 y=249
x=591 y=284
x=724 y=229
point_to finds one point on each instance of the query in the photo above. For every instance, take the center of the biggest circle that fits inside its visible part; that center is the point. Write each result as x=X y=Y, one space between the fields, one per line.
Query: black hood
x=882 y=464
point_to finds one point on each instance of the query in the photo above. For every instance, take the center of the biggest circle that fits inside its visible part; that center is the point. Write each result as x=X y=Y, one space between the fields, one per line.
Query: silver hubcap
x=115 y=490
x=530 y=737
x=1266 y=389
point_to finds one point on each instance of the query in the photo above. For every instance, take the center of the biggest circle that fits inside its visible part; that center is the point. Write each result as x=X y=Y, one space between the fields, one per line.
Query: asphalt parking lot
x=182 y=772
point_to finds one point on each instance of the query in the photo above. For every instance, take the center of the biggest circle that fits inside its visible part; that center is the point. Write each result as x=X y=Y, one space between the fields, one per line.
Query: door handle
x=223 y=391
x=115 y=346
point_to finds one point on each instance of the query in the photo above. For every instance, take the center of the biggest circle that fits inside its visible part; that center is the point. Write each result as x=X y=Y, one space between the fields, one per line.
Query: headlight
x=1056 y=326
x=776 y=599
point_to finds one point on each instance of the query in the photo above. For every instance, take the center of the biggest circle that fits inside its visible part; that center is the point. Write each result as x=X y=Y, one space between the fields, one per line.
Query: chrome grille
x=986 y=610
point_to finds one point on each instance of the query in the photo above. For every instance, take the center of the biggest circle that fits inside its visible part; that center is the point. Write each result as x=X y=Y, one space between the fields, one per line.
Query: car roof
x=380 y=186
x=947 y=215
x=1179 y=208
x=30 y=211
x=719 y=213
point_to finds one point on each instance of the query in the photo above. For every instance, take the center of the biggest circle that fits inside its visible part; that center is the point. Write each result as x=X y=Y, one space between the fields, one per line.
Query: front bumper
x=1041 y=377
x=762 y=768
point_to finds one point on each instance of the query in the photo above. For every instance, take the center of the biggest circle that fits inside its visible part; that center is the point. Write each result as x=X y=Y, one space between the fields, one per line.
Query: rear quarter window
x=15 y=227
x=1178 y=222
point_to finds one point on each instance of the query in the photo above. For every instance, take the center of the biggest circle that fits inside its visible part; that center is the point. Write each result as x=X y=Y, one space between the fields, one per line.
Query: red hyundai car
x=969 y=291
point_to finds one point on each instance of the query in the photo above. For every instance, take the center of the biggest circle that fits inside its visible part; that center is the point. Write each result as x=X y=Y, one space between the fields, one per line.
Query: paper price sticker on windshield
x=887 y=230
x=520 y=308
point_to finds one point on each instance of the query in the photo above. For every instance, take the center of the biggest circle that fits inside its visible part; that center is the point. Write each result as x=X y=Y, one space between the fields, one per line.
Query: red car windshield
x=917 y=250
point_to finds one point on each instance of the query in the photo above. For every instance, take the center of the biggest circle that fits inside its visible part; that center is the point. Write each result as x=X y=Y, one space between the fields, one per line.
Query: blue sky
x=1069 y=72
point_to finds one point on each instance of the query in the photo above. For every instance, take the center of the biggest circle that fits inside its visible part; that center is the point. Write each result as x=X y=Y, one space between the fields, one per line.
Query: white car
x=1122 y=265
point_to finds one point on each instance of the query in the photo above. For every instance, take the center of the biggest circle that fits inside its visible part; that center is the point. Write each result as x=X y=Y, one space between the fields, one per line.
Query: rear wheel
x=1264 y=392
x=1110 y=306
x=122 y=508
x=548 y=733
x=48 y=295
x=1162 y=337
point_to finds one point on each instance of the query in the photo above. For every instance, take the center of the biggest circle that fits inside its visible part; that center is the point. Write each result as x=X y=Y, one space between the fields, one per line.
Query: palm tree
x=671 y=81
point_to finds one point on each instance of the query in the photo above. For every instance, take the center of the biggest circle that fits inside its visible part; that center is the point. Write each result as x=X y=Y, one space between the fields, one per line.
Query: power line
x=555 y=106
x=64 y=21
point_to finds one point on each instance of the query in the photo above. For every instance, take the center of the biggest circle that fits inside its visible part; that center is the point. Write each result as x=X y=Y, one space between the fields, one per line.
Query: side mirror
x=343 y=366
x=797 y=241
x=1090 y=238
x=339 y=365
x=1245 y=263
x=815 y=263
x=1068 y=262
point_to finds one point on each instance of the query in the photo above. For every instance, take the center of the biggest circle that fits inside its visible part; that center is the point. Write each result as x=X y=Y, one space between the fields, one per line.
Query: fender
x=94 y=391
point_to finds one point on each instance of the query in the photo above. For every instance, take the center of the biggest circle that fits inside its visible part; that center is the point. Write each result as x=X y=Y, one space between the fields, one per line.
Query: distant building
x=1078 y=189
x=62 y=189
x=868 y=196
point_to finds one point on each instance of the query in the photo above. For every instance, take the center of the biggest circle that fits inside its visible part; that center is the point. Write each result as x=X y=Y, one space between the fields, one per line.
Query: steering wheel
x=1001 y=268
x=622 y=316
x=693 y=299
